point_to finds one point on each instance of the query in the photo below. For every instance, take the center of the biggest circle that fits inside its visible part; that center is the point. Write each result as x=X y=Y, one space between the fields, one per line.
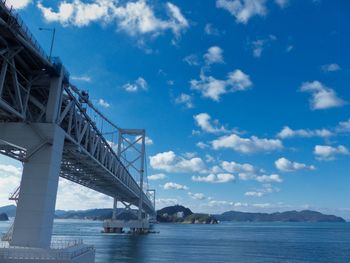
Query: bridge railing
x=57 y=251
x=22 y=28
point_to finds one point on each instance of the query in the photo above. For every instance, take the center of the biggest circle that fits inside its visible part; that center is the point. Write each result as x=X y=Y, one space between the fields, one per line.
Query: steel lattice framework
x=89 y=159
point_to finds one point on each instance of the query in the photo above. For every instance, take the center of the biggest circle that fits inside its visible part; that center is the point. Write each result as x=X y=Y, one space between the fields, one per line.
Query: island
x=181 y=214
x=4 y=217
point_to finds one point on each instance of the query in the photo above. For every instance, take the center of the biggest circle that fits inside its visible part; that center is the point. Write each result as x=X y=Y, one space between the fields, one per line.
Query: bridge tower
x=131 y=151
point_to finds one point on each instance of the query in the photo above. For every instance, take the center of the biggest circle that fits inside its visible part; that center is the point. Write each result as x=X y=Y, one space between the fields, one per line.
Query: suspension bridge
x=53 y=128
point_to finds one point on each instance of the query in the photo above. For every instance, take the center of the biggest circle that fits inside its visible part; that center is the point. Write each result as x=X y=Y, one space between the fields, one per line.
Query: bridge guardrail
x=23 y=29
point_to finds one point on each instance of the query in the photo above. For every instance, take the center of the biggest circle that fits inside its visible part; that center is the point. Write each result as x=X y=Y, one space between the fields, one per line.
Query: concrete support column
x=37 y=199
x=115 y=207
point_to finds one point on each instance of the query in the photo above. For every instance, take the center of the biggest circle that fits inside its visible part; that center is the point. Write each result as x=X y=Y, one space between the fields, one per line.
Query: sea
x=225 y=242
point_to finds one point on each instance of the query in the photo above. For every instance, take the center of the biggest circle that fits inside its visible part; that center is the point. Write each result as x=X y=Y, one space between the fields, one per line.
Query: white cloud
x=203 y=120
x=8 y=169
x=245 y=171
x=185 y=99
x=325 y=152
x=216 y=169
x=213 y=88
x=148 y=140
x=331 y=67
x=72 y=196
x=103 y=103
x=196 y=196
x=254 y=194
x=178 y=22
x=243 y=10
x=322 y=96
x=220 y=206
x=246 y=176
x=77 y=13
x=214 y=178
x=10 y=177
x=286 y=165
x=191 y=60
x=209 y=158
x=18 y=4
x=170 y=162
x=287 y=132
x=343 y=126
x=210 y=87
x=267 y=189
x=174 y=186
x=189 y=155
x=195 y=132
x=135 y=18
x=163 y=202
x=209 y=29
x=247 y=145
x=214 y=55
x=259 y=45
x=282 y=3
x=239 y=80
x=139 y=84
x=234 y=167
x=156 y=177
x=81 y=78
x=273 y=178
x=202 y=145
x=263 y=205
x=289 y=48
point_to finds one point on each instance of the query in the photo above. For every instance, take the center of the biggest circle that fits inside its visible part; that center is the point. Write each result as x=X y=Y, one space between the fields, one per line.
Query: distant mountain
x=96 y=214
x=93 y=214
x=289 y=216
x=10 y=210
x=3 y=217
x=180 y=213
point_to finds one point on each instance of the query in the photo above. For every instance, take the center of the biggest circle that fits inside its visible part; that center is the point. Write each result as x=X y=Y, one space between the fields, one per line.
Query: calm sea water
x=226 y=242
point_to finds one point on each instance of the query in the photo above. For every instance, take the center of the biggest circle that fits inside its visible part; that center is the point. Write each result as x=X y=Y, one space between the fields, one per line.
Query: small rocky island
x=4 y=217
x=181 y=214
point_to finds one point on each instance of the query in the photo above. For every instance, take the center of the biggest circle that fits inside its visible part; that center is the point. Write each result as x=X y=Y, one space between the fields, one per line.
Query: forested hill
x=289 y=216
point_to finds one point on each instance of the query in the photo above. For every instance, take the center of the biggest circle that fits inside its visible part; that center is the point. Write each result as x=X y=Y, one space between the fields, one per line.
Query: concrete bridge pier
x=37 y=199
x=115 y=225
x=33 y=223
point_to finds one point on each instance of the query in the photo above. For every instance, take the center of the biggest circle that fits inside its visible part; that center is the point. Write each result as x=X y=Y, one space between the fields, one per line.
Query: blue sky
x=245 y=102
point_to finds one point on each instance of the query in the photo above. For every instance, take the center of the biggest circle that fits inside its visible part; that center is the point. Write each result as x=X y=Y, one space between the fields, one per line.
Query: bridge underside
x=76 y=166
